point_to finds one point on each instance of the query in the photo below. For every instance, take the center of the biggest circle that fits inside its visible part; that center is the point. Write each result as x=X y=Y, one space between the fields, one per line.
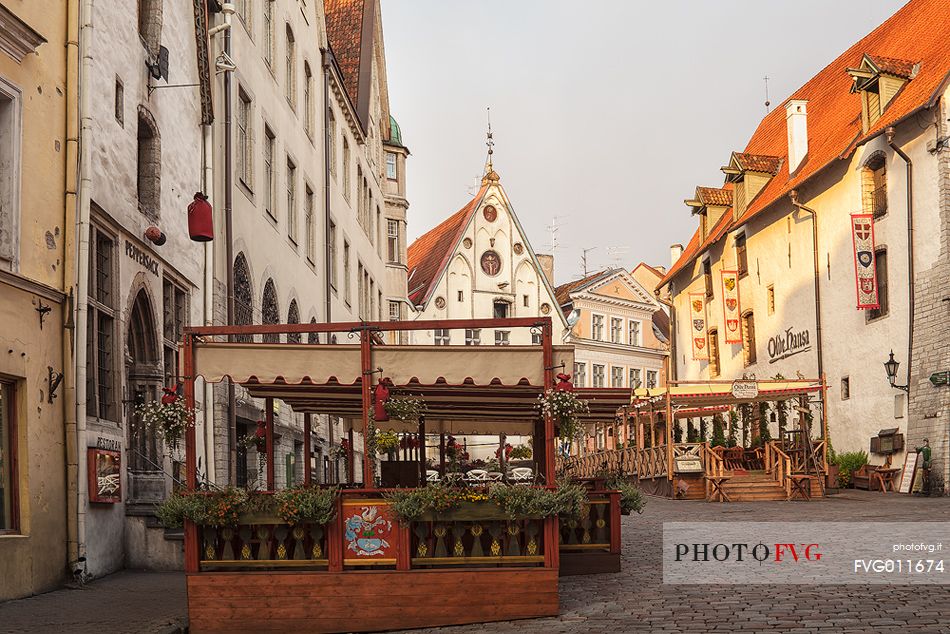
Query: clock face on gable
x=490 y=213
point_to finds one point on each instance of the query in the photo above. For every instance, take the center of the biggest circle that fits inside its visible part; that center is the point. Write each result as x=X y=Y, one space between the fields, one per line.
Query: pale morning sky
x=606 y=113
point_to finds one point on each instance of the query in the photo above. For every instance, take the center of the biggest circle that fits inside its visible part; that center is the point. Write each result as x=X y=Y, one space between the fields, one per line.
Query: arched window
x=149 y=168
x=243 y=296
x=150 y=25
x=290 y=72
x=270 y=311
x=307 y=98
x=293 y=317
x=874 y=185
x=313 y=337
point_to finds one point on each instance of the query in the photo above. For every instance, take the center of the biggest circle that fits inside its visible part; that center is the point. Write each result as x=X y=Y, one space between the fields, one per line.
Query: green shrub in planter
x=631 y=499
x=848 y=463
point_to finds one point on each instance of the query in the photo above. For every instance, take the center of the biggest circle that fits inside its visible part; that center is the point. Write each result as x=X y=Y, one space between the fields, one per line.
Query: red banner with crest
x=865 y=271
x=730 y=306
x=697 y=326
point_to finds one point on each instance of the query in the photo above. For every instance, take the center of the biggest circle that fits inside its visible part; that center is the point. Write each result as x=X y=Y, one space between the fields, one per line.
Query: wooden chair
x=861 y=477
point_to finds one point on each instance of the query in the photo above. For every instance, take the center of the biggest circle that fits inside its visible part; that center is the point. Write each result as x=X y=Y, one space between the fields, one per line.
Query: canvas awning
x=720 y=393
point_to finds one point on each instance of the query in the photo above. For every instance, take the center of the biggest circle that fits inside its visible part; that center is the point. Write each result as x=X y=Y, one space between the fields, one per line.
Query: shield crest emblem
x=862 y=230
x=700 y=342
x=731 y=304
x=732 y=324
x=864 y=258
x=730 y=283
x=698 y=324
x=697 y=306
x=867 y=284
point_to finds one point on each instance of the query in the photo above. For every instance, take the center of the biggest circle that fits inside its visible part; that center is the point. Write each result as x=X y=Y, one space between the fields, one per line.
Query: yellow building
x=33 y=270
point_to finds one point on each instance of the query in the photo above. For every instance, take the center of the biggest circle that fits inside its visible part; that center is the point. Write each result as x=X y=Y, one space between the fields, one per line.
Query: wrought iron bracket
x=53 y=380
x=43 y=310
x=555 y=367
x=372 y=372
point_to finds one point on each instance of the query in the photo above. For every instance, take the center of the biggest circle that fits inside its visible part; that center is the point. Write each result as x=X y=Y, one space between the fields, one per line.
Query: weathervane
x=767 y=102
x=490 y=142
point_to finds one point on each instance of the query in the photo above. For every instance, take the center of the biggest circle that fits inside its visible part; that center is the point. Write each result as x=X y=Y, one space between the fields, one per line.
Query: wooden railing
x=778 y=465
x=262 y=543
x=713 y=464
x=598 y=528
x=492 y=539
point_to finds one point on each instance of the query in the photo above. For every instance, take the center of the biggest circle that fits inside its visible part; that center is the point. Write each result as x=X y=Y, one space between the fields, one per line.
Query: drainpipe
x=208 y=187
x=70 y=260
x=671 y=367
x=325 y=58
x=77 y=548
x=889 y=133
x=793 y=195
x=229 y=246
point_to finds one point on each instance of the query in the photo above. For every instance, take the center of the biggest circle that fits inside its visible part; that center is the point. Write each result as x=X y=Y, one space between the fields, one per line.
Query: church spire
x=491 y=176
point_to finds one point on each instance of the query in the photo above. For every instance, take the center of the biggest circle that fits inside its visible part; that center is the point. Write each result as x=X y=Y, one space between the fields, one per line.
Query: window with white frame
x=616 y=330
x=268 y=43
x=536 y=338
x=9 y=175
x=174 y=320
x=245 y=140
x=597 y=327
x=347 y=294
x=270 y=174
x=616 y=376
x=308 y=98
x=391 y=165
x=651 y=379
x=502 y=337
x=473 y=336
x=599 y=375
x=635 y=378
x=290 y=69
x=633 y=333
x=331 y=138
x=346 y=168
x=331 y=240
x=394 y=311
x=392 y=240
x=580 y=374
x=442 y=336
x=310 y=238
x=291 y=200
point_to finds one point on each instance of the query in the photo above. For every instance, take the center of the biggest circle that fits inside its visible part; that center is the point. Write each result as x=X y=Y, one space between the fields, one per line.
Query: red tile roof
x=758 y=162
x=430 y=253
x=345 y=34
x=563 y=292
x=892 y=66
x=714 y=196
x=917 y=31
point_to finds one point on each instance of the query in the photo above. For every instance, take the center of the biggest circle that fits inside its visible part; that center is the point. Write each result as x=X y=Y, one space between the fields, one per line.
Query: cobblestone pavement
x=635 y=600
x=129 y=602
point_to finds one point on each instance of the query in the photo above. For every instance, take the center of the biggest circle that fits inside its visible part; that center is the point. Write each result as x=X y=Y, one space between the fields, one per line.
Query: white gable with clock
x=479 y=264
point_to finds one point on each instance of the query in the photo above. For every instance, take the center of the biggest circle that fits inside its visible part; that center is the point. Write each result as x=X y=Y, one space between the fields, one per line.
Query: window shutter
x=875 y=444
x=898 y=442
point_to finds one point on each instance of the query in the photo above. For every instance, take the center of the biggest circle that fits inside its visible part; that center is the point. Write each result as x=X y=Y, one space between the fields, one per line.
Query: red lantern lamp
x=200 y=226
x=564 y=383
x=380 y=396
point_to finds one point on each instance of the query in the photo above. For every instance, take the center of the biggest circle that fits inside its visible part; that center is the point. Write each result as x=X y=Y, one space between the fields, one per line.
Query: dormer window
x=749 y=174
x=709 y=204
x=878 y=80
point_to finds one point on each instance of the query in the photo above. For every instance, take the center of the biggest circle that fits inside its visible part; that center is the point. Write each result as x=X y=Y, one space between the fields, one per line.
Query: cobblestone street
x=635 y=600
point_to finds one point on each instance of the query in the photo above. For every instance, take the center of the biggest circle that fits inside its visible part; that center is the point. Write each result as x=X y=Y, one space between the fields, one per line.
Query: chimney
x=676 y=251
x=547 y=266
x=796 y=119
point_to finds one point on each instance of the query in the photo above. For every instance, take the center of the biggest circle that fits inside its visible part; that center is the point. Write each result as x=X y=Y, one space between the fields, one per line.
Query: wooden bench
x=861 y=477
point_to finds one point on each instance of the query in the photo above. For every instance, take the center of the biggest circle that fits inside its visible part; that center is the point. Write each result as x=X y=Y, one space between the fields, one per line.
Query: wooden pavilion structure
x=696 y=470
x=264 y=575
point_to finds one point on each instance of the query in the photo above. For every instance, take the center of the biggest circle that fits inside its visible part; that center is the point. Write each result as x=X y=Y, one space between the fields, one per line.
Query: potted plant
x=170 y=418
x=565 y=408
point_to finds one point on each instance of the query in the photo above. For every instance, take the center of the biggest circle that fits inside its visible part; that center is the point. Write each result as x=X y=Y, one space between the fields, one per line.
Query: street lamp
x=890 y=366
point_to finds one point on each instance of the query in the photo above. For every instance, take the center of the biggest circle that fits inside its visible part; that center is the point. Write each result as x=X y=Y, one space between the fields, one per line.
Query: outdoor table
x=718 y=491
x=802 y=486
x=886 y=478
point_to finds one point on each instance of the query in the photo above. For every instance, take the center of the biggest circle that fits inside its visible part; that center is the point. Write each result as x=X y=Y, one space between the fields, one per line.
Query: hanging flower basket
x=565 y=408
x=408 y=409
x=170 y=420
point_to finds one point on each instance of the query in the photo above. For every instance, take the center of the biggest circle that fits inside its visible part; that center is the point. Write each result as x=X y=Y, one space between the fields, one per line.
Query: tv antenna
x=553 y=229
x=584 y=253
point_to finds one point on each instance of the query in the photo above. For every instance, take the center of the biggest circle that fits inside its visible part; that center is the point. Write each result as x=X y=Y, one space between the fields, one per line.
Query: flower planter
x=469 y=512
x=832 y=479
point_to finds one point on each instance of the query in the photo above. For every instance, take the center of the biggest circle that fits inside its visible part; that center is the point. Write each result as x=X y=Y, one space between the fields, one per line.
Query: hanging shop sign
x=862 y=234
x=697 y=331
x=788 y=343
x=730 y=306
x=745 y=390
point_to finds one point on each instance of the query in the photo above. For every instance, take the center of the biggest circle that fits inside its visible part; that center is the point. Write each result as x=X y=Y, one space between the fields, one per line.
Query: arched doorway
x=143 y=382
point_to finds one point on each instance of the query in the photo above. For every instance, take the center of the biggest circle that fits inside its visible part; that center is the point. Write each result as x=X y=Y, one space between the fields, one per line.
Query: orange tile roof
x=917 y=31
x=758 y=162
x=563 y=292
x=430 y=253
x=714 y=196
x=892 y=66
x=345 y=34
